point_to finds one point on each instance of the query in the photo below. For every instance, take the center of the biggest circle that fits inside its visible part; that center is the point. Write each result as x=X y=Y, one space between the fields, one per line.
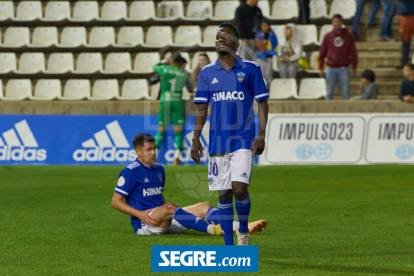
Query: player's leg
x=159 y=137
x=165 y=213
x=177 y=116
x=241 y=168
x=219 y=178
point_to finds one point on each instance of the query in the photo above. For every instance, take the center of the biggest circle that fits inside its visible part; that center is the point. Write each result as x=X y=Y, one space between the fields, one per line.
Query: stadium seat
x=85 y=11
x=105 y=90
x=209 y=36
x=186 y=95
x=225 y=10
x=117 y=63
x=144 y=62
x=279 y=30
x=282 y=89
x=46 y=90
x=101 y=37
x=275 y=67
x=346 y=8
x=158 y=36
x=31 y=63
x=318 y=9
x=16 y=37
x=312 y=88
x=212 y=55
x=1 y=89
x=412 y=59
x=141 y=10
x=114 y=10
x=284 y=10
x=17 y=90
x=265 y=7
x=44 y=37
x=6 y=10
x=57 y=11
x=134 y=89
x=324 y=30
x=155 y=91
x=59 y=63
x=308 y=34
x=187 y=36
x=72 y=37
x=28 y=10
x=76 y=90
x=199 y=10
x=130 y=36
x=169 y=10
x=88 y=63
x=314 y=62
x=7 y=63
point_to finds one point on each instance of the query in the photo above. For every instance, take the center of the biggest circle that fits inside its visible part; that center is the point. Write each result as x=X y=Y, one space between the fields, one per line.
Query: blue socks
x=226 y=217
x=243 y=211
x=212 y=216
x=189 y=220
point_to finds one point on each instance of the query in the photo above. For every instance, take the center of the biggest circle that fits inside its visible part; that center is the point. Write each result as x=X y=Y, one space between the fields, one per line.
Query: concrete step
x=376 y=59
x=380 y=46
x=384 y=73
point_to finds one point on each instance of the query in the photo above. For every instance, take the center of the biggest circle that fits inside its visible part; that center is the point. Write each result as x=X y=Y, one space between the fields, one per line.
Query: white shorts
x=234 y=166
x=175 y=228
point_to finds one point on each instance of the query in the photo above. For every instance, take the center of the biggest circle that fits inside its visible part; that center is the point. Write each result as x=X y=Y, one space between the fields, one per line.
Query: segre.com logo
x=204 y=258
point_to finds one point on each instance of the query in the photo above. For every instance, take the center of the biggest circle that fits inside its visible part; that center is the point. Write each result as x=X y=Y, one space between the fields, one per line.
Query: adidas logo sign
x=214 y=81
x=244 y=175
x=20 y=145
x=146 y=180
x=109 y=144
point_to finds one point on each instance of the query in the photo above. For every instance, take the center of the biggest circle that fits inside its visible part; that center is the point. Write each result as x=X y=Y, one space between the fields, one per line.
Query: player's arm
x=119 y=204
x=202 y=99
x=159 y=68
x=200 y=120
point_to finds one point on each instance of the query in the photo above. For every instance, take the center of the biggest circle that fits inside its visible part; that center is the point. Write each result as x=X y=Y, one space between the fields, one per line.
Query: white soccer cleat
x=243 y=239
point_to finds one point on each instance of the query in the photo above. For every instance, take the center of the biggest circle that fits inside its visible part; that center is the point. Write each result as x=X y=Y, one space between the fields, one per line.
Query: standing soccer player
x=229 y=86
x=173 y=80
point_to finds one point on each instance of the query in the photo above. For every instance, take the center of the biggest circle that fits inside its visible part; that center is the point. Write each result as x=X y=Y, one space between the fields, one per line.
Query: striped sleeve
x=258 y=85
x=202 y=94
x=125 y=184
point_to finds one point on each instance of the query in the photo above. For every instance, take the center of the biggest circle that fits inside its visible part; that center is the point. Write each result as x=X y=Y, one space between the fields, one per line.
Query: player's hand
x=146 y=218
x=321 y=74
x=196 y=150
x=407 y=98
x=353 y=72
x=258 y=146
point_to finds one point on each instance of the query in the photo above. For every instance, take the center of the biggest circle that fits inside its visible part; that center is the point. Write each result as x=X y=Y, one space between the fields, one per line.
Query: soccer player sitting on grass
x=141 y=185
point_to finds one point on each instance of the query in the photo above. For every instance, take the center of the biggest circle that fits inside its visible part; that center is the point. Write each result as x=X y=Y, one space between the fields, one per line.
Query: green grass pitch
x=323 y=220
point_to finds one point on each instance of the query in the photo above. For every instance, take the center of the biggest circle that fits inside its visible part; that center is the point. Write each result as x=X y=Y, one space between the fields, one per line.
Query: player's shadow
x=344 y=268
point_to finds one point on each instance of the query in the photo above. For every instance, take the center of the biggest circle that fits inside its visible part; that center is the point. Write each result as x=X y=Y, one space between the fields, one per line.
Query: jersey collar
x=237 y=64
x=142 y=165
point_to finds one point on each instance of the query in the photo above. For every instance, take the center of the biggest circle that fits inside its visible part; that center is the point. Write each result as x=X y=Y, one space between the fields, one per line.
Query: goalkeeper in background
x=173 y=80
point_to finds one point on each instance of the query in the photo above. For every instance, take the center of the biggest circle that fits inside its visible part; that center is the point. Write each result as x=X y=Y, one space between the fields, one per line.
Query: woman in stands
x=289 y=53
x=203 y=60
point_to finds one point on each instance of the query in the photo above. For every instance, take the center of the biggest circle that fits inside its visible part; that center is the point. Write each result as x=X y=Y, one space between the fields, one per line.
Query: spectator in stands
x=406 y=71
x=406 y=11
x=304 y=12
x=386 y=23
x=247 y=19
x=407 y=87
x=338 y=47
x=267 y=45
x=369 y=90
x=290 y=53
x=203 y=60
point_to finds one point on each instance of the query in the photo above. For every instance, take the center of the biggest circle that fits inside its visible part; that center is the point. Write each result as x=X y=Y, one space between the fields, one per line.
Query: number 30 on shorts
x=213 y=168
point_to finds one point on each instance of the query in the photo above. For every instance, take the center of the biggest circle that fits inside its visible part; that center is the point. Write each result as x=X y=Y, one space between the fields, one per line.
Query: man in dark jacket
x=406 y=11
x=247 y=19
x=407 y=87
x=338 y=47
